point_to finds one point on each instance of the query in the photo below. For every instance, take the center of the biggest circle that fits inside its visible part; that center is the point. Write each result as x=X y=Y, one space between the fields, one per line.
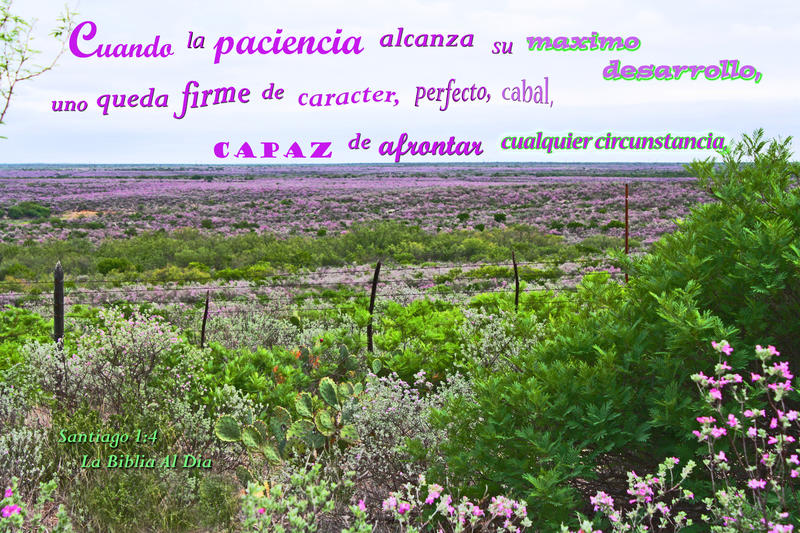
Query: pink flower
x=434 y=491
x=721 y=456
x=261 y=510
x=771 y=349
x=601 y=499
x=403 y=507
x=773 y=423
x=361 y=505
x=9 y=493
x=793 y=459
x=783 y=368
x=794 y=473
x=389 y=503
x=715 y=393
x=718 y=432
x=10 y=510
x=786 y=385
x=477 y=511
x=702 y=420
x=732 y=421
x=722 y=347
x=757 y=484
x=754 y=377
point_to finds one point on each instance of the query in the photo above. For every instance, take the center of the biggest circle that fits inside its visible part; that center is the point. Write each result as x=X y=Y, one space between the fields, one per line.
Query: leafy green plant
x=323 y=424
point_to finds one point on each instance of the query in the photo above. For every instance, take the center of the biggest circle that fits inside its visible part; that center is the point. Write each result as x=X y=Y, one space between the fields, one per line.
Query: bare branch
x=16 y=51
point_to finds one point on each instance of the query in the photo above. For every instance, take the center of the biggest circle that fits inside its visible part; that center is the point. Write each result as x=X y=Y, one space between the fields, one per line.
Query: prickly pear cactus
x=323 y=423
x=255 y=437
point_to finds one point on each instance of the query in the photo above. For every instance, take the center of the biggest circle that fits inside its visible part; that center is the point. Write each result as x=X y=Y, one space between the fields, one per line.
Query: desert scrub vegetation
x=590 y=409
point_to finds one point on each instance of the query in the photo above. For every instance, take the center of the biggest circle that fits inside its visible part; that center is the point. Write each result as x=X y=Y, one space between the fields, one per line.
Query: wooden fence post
x=626 y=226
x=205 y=317
x=516 y=282
x=372 y=305
x=58 y=304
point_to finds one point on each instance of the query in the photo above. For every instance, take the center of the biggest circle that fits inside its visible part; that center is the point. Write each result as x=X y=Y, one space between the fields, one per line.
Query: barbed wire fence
x=282 y=296
x=287 y=296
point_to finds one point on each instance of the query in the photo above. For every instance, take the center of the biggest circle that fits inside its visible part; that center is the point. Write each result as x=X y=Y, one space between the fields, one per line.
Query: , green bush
x=608 y=387
x=28 y=210
x=614 y=224
x=18 y=327
x=107 y=264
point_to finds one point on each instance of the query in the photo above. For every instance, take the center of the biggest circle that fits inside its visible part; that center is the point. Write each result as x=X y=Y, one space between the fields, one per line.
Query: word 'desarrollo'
x=728 y=69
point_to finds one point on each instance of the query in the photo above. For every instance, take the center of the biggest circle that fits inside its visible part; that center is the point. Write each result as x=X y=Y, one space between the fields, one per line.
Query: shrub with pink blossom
x=438 y=509
x=752 y=456
x=17 y=517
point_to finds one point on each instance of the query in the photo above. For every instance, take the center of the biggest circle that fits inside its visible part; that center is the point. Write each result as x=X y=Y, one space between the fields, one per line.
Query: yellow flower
x=260 y=493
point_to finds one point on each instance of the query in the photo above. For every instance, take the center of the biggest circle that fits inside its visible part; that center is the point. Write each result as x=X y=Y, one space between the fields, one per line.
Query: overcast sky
x=695 y=32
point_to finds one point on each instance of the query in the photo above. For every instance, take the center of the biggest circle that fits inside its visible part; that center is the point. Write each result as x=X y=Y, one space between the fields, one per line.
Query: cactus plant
x=321 y=423
x=255 y=437
x=324 y=423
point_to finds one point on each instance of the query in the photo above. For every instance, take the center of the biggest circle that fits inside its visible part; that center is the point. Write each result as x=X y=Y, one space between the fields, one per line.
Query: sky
x=697 y=32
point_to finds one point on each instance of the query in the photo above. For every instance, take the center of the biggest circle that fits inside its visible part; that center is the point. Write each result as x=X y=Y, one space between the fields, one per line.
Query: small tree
x=16 y=53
